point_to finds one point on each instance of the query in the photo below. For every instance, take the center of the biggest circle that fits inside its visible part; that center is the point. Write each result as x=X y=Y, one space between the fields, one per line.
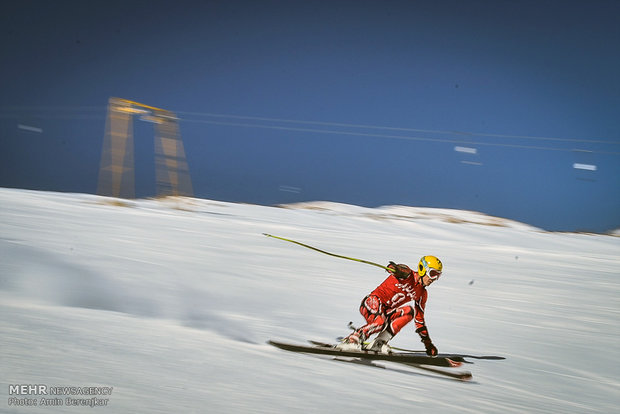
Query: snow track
x=171 y=302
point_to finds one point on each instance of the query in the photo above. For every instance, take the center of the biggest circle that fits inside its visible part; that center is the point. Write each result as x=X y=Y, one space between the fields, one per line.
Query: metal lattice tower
x=116 y=171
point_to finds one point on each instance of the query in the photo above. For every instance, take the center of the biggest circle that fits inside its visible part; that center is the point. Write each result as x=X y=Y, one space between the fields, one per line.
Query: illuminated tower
x=116 y=171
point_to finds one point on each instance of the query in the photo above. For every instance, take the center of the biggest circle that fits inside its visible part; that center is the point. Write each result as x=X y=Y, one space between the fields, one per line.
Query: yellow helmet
x=430 y=265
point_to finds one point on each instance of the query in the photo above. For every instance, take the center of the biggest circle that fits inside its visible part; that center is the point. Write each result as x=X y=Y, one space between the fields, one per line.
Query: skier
x=387 y=309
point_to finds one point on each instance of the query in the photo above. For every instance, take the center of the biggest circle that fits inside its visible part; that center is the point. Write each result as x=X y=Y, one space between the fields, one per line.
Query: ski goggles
x=432 y=273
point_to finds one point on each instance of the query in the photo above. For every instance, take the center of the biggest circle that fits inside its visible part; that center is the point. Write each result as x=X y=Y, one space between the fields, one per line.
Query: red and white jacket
x=394 y=292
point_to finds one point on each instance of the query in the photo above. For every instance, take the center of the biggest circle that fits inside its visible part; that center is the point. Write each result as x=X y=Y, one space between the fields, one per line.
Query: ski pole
x=328 y=253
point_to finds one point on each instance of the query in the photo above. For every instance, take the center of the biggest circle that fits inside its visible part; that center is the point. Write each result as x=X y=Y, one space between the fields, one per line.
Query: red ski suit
x=388 y=304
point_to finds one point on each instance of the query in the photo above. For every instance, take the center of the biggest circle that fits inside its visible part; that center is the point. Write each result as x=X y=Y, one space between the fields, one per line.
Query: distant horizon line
x=316 y=205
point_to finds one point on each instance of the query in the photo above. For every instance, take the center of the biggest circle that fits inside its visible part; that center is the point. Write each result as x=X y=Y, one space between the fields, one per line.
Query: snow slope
x=170 y=302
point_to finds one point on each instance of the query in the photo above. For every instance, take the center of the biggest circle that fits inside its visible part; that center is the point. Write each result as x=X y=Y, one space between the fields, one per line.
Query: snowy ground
x=170 y=302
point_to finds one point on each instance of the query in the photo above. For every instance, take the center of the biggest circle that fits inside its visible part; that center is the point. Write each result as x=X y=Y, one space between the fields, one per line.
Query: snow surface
x=171 y=302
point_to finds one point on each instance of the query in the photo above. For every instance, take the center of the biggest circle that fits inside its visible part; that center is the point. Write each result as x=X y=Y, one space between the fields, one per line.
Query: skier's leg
x=371 y=309
x=398 y=318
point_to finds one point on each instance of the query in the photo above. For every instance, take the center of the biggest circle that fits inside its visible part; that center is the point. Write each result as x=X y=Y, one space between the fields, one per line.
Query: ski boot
x=352 y=342
x=380 y=343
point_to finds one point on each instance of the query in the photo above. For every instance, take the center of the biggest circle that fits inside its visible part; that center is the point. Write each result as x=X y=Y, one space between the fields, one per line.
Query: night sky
x=476 y=105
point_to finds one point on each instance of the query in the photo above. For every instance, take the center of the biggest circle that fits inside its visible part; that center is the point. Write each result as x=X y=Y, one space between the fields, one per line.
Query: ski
x=453 y=357
x=401 y=357
x=462 y=376
x=456 y=357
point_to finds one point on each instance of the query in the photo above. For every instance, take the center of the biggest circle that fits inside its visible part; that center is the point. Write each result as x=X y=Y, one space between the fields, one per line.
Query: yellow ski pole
x=328 y=253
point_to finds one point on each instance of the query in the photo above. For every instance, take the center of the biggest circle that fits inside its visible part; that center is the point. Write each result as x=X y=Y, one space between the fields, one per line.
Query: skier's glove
x=401 y=271
x=431 y=350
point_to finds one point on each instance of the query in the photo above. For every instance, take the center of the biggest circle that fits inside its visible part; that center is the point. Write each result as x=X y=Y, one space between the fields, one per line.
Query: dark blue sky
x=386 y=90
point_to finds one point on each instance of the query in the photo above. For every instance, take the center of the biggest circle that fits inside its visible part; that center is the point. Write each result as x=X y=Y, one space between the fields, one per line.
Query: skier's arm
x=401 y=271
x=420 y=325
